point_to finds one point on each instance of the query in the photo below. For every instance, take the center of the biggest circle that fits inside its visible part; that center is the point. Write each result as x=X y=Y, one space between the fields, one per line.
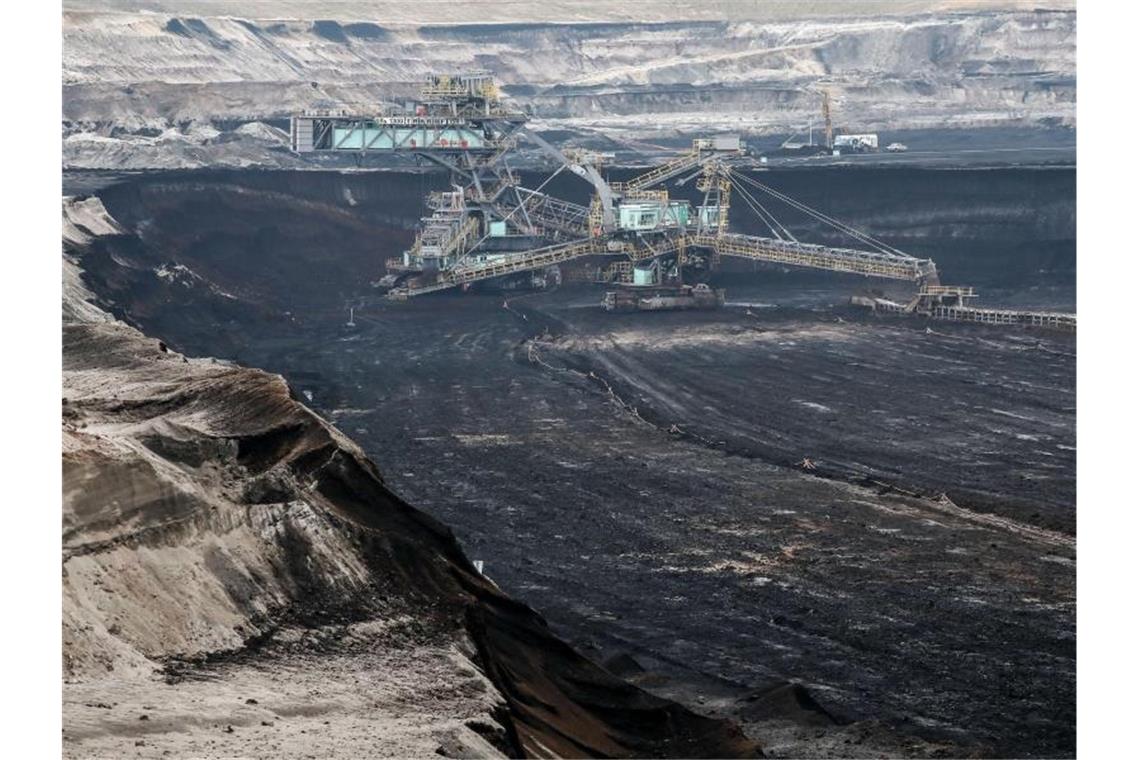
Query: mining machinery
x=488 y=225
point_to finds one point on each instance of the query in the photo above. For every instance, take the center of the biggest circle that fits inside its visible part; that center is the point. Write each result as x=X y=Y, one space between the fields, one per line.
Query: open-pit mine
x=477 y=408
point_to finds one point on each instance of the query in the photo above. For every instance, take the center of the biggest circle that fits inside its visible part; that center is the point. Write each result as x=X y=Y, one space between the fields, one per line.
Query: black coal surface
x=635 y=478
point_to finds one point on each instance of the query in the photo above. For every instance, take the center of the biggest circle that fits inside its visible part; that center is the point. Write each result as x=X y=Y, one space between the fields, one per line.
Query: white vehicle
x=896 y=147
x=865 y=143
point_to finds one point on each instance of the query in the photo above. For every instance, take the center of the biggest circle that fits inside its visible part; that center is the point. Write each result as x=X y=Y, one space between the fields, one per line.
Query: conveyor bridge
x=771 y=250
x=508 y=264
x=807 y=255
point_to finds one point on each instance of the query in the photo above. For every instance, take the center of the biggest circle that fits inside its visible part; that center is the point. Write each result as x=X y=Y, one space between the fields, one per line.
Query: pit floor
x=635 y=479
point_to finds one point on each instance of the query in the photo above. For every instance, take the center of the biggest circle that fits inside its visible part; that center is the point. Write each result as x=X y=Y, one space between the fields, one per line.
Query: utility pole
x=827 y=118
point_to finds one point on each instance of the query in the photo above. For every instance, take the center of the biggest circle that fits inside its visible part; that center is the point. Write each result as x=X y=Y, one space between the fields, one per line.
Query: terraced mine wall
x=196 y=91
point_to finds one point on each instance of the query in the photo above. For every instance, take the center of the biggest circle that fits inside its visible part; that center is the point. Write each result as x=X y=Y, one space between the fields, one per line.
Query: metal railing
x=522 y=262
x=648 y=250
x=1058 y=320
x=776 y=251
x=662 y=172
x=618 y=271
x=453 y=237
x=948 y=290
x=633 y=194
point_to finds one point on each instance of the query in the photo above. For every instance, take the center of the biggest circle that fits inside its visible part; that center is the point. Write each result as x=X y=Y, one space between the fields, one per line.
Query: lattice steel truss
x=490 y=225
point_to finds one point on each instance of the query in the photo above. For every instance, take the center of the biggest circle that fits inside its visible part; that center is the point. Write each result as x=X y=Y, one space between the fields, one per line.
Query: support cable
x=779 y=230
x=830 y=221
x=761 y=212
x=820 y=216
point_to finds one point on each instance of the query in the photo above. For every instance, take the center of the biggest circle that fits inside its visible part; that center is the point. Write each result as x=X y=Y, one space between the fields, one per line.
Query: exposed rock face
x=215 y=528
x=214 y=90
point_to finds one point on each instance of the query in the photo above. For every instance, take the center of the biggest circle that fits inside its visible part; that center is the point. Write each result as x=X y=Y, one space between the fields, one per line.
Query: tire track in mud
x=997 y=522
x=533 y=356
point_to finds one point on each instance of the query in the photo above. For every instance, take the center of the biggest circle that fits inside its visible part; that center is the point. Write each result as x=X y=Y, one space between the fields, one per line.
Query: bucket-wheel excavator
x=634 y=233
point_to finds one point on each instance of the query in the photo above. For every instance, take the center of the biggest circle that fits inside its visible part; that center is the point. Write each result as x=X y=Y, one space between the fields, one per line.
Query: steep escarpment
x=216 y=531
x=217 y=90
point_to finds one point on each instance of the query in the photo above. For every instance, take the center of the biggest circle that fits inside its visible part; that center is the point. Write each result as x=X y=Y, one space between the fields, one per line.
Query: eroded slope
x=216 y=529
